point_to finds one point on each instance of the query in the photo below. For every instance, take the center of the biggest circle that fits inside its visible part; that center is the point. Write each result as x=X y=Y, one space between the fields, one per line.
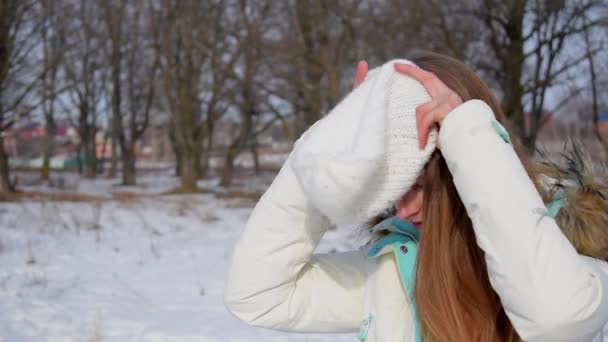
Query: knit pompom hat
x=363 y=156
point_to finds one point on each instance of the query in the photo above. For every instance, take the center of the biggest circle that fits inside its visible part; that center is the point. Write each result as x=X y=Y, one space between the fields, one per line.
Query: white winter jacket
x=549 y=292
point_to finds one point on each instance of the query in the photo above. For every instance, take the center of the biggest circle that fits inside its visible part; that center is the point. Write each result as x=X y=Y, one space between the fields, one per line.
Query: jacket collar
x=401 y=232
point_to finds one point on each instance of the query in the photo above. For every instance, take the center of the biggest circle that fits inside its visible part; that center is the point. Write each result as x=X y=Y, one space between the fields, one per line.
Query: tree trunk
x=310 y=109
x=116 y=127
x=228 y=170
x=595 y=108
x=206 y=155
x=49 y=146
x=178 y=162
x=529 y=143
x=100 y=162
x=5 y=178
x=235 y=148
x=189 y=170
x=176 y=151
x=198 y=156
x=90 y=159
x=114 y=154
x=256 y=157
x=128 y=165
x=79 y=158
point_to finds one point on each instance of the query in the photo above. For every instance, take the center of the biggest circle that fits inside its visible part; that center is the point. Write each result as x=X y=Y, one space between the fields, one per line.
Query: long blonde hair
x=455 y=299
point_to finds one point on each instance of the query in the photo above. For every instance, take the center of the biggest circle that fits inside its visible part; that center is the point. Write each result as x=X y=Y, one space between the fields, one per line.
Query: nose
x=405 y=213
x=410 y=207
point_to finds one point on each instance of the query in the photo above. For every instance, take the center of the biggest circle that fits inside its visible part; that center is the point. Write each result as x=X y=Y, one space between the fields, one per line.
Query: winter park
x=303 y=170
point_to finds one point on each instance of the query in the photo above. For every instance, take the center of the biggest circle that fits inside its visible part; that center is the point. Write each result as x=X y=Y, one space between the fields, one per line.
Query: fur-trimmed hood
x=581 y=185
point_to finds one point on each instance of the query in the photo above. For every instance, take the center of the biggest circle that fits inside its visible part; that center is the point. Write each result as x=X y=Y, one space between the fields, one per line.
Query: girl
x=473 y=253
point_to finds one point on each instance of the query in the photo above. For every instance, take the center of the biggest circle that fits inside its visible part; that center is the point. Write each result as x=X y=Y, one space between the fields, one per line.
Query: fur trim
x=583 y=184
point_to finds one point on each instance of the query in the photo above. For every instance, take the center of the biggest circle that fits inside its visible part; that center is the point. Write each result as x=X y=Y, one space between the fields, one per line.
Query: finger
x=430 y=82
x=362 y=68
x=423 y=121
x=429 y=120
x=426 y=107
x=422 y=112
x=454 y=99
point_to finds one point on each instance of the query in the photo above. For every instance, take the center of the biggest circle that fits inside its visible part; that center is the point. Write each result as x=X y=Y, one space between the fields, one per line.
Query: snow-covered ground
x=149 y=268
x=144 y=269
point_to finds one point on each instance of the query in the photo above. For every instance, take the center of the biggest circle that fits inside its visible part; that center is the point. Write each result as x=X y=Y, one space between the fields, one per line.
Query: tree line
x=192 y=63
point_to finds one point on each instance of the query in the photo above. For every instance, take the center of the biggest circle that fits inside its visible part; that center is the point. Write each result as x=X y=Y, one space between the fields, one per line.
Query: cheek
x=411 y=203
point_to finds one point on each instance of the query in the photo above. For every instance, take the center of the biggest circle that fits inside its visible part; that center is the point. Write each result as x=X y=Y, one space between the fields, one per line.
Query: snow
x=150 y=268
x=145 y=269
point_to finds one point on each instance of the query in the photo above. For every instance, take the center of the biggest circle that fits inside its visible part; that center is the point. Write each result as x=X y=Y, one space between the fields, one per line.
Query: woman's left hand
x=443 y=100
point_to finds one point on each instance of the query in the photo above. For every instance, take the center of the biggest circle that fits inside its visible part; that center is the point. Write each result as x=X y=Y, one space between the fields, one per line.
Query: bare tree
x=19 y=73
x=134 y=63
x=317 y=45
x=191 y=49
x=49 y=89
x=85 y=76
x=392 y=29
x=518 y=46
x=594 y=80
x=114 y=13
x=527 y=40
x=251 y=22
x=184 y=54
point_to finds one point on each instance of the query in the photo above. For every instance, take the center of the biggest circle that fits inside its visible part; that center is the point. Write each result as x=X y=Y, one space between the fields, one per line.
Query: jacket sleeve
x=549 y=292
x=276 y=282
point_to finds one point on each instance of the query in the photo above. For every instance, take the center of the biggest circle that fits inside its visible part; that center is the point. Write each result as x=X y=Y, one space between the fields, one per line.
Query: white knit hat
x=363 y=156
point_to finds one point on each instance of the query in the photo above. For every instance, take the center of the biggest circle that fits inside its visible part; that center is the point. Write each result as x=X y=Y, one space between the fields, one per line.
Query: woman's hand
x=443 y=101
x=361 y=73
